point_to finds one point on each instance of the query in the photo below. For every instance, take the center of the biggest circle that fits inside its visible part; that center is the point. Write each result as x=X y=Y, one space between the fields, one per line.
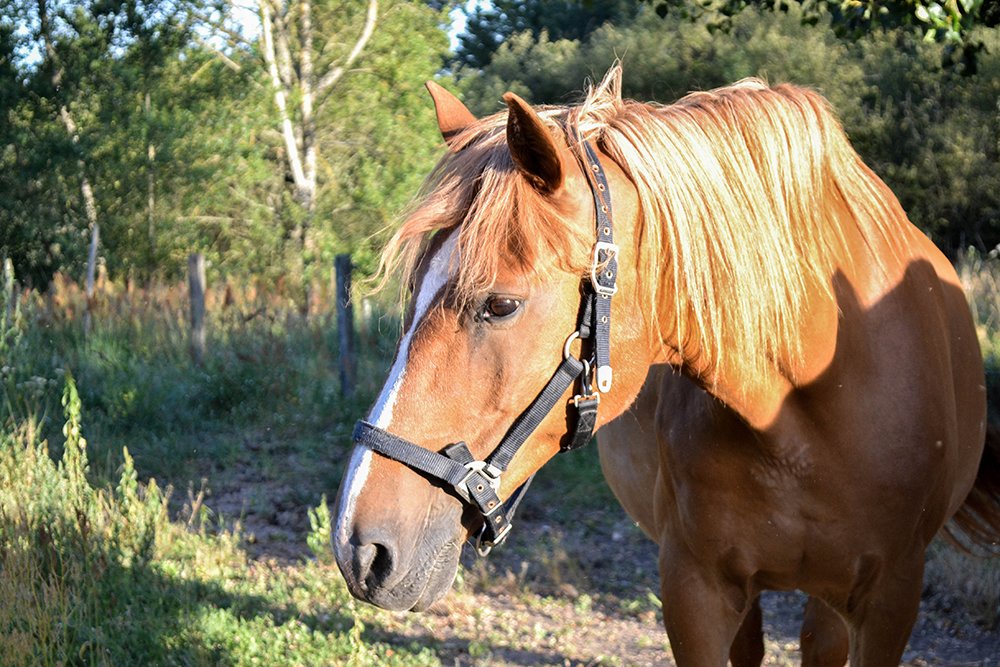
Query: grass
x=265 y=364
x=101 y=576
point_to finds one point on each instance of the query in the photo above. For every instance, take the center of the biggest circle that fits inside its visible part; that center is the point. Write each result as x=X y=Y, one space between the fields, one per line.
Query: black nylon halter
x=477 y=482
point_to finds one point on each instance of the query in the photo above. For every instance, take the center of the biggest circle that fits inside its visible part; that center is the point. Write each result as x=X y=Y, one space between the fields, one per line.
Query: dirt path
x=566 y=589
x=587 y=599
x=504 y=630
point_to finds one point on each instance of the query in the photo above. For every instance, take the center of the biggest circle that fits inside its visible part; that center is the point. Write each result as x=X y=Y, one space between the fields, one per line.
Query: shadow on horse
x=784 y=372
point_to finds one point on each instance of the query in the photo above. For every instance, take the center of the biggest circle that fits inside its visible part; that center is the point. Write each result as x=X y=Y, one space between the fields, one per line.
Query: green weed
x=101 y=576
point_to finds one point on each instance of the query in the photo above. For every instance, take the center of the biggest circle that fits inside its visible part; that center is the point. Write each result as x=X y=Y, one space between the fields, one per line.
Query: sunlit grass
x=102 y=576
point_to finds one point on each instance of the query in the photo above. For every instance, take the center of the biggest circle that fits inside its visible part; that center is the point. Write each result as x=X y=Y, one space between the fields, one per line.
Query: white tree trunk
x=87 y=193
x=287 y=131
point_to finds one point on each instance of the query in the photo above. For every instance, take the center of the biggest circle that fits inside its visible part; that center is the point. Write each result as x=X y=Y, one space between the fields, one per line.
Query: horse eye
x=500 y=306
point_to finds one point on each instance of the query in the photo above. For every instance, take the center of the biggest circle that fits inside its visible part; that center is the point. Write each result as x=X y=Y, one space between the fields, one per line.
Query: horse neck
x=756 y=392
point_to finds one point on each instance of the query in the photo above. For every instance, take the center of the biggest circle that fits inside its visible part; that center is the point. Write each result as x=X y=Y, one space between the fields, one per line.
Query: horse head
x=502 y=247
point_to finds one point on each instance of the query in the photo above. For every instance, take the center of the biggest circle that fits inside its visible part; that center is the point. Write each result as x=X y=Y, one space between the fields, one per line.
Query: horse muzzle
x=389 y=569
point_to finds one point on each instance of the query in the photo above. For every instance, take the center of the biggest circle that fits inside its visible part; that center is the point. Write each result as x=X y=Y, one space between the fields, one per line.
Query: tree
x=182 y=143
x=950 y=21
x=63 y=55
x=489 y=25
x=333 y=109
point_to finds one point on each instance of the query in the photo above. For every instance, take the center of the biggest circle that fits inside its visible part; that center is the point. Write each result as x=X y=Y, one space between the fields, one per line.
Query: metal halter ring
x=569 y=341
x=485 y=550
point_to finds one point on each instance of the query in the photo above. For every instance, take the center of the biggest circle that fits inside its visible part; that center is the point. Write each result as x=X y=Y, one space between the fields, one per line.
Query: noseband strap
x=477 y=483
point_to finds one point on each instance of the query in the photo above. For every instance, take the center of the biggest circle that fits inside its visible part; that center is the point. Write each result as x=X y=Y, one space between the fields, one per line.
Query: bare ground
x=570 y=590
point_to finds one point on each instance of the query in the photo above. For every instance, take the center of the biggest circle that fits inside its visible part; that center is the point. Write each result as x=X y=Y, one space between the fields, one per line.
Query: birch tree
x=345 y=78
x=303 y=75
x=86 y=191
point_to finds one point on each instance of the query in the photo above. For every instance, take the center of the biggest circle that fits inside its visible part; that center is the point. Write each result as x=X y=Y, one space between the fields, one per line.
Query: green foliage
x=100 y=577
x=92 y=60
x=182 y=147
x=951 y=21
x=379 y=137
x=319 y=537
x=928 y=131
x=490 y=24
x=932 y=135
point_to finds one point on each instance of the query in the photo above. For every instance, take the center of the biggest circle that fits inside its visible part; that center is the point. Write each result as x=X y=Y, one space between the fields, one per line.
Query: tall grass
x=101 y=576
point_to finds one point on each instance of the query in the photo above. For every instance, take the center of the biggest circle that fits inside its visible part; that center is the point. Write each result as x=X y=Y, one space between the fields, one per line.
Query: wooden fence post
x=8 y=286
x=345 y=323
x=196 y=292
x=95 y=236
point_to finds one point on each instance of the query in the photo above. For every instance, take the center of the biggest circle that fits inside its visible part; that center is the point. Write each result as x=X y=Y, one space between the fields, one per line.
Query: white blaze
x=437 y=274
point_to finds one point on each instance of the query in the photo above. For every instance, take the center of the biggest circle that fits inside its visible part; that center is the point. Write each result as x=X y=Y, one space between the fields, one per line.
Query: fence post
x=95 y=236
x=8 y=286
x=196 y=292
x=345 y=323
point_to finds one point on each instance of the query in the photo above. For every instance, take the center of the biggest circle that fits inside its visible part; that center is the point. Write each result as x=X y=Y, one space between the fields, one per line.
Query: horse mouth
x=423 y=584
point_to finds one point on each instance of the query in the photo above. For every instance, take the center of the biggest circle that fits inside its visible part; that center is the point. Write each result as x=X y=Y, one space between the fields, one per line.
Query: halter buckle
x=610 y=251
x=490 y=473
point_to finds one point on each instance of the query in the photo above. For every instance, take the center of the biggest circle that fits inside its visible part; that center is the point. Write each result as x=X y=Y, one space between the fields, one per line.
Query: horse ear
x=452 y=115
x=534 y=151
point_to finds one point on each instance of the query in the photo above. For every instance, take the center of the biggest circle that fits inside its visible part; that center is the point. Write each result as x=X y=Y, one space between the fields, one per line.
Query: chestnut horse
x=790 y=389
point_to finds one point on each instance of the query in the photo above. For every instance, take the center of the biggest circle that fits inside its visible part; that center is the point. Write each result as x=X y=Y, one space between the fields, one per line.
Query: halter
x=477 y=482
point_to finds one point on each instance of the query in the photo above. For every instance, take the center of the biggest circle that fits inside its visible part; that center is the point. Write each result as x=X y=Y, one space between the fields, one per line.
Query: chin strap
x=477 y=483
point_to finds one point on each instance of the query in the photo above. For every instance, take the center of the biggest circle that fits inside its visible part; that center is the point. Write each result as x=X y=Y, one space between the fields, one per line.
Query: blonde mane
x=738 y=189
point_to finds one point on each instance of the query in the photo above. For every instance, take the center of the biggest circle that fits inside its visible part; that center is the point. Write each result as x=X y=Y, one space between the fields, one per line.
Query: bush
x=929 y=131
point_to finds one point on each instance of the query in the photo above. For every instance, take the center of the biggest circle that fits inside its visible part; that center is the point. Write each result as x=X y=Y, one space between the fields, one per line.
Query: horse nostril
x=383 y=563
x=363 y=558
x=373 y=564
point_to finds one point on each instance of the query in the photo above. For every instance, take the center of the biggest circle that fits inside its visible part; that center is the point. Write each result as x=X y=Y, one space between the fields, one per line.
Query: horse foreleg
x=702 y=611
x=748 y=647
x=825 y=641
x=882 y=620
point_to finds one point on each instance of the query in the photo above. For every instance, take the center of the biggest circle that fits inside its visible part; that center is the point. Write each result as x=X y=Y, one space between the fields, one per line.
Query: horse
x=782 y=370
